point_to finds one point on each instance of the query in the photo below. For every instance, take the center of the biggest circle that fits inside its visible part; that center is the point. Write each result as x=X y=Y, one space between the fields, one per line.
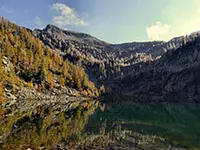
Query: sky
x=114 y=21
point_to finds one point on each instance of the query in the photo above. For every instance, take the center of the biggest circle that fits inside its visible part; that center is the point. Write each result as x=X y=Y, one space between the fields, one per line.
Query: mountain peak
x=50 y=27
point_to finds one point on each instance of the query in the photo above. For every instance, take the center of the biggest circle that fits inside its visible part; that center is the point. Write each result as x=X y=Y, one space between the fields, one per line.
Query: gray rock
x=10 y=96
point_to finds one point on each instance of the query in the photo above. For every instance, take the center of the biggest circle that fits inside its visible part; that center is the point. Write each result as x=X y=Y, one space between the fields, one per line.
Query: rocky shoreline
x=29 y=99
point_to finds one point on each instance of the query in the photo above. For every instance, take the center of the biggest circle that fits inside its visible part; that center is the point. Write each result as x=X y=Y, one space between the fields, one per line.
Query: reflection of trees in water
x=117 y=137
x=102 y=107
x=46 y=129
x=177 y=123
x=115 y=126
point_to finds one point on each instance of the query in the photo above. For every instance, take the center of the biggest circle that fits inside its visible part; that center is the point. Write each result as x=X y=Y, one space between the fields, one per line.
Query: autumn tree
x=34 y=63
x=62 y=80
x=1 y=78
x=50 y=80
x=77 y=77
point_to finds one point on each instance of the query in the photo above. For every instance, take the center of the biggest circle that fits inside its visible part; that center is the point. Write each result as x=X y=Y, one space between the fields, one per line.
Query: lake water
x=95 y=125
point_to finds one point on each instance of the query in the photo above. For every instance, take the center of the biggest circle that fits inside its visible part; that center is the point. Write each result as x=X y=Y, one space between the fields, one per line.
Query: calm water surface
x=123 y=125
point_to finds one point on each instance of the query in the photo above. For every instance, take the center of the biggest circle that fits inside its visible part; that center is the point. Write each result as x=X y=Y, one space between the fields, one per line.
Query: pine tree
x=62 y=80
x=50 y=80
x=65 y=68
x=76 y=77
x=85 y=81
x=1 y=78
x=43 y=72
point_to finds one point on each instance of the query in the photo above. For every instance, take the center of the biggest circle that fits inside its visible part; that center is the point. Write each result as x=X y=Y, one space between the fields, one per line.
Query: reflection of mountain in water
x=111 y=126
x=46 y=128
x=177 y=124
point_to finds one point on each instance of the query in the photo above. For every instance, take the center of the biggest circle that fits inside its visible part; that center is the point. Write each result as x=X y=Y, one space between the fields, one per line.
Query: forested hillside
x=26 y=62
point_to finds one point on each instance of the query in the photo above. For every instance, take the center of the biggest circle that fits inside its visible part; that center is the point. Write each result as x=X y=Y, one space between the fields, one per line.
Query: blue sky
x=114 y=21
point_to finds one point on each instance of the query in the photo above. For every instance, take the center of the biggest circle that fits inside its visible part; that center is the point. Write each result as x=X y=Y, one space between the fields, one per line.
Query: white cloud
x=158 y=31
x=67 y=16
x=178 y=26
x=38 y=22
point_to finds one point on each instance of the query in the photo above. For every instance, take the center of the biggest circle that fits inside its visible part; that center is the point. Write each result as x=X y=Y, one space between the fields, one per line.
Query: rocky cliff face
x=92 y=49
x=79 y=44
x=174 y=77
x=145 y=70
x=101 y=60
x=81 y=49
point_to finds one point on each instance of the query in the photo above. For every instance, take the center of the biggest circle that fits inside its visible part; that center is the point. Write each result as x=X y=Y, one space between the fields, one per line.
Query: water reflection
x=44 y=128
x=175 y=125
x=96 y=126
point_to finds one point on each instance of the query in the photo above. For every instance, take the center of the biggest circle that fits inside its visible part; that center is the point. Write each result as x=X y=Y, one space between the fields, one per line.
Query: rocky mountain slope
x=63 y=40
x=92 y=48
x=174 y=77
x=80 y=49
x=101 y=60
x=104 y=61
